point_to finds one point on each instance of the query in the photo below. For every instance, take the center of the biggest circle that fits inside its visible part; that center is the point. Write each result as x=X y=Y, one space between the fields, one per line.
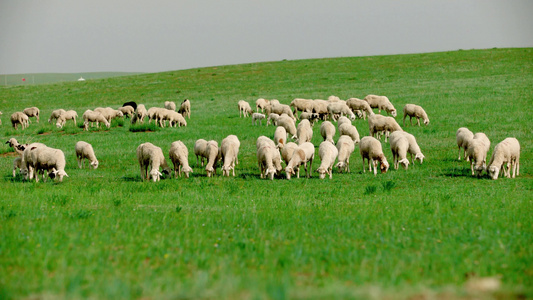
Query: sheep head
x=321 y=172
x=186 y=170
x=94 y=164
x=384 y=165
x=155 y=175
x=405 y=163
x=420 y=157
x=269 y=172
x=289 y=171
x=494 y=171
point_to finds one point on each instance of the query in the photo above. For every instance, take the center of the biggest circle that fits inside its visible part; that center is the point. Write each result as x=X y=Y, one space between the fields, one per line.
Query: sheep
x=13 y=143
x=370 y=149
x=288 y=123
x=381 y=102
x=131 y=103
x=327 y=130
x=287 y=151
x=416 y=111
x=265 y=157
x=303 y=105
x=312 y=117
x=160 y=115
x=339 y=108
x=93 y=116
x=304 y=154
x=360 y=105
x=349 y=130
x=280 y=135
x=304 y=132
x=55 y=114
x=463 y=136
x=127 y=110
x=244 y=108
x=379 y=124
x=109 y=113
x=399 y=146
x=229 y=150
x=185 y=108
x=48 y=159
x=327 y=153
x=28 y=165
x=179 y=155
x=345 y=147
x=506 y=155
x=341 y=120
x=476 y=151
x=281 y=109
x=65 y=116
x=272 y=119
x=414 y=149
x=171 y=105
x=261 y=104
x=199 y=149
x=212 y=155
x=32 y=112
x=17 y=164
x=140 y=114
x=320 y=107
x=257 y=117
x=19 y=118
x=174 y=118
x=151 y=158
x=276 y=155
x=84 y=151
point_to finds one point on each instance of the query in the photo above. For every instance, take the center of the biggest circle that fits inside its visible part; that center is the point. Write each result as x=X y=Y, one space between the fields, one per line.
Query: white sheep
x=320 y=107
x=65 y=116
x=261 y=103
x=272 y=119
x=27 y=168
x=304 y=132
x=280 y=135
x=109 y=113
x=288 y=123
x=174 y=118
x=179 y=155
x=345 y=147
x=360 y=105
x=17 y=164
x=304 y=154
x=127 y=110
x=381 y=102
x=244 y=108
x=32 y=112
x=370 y=149
x=349 y=130
x=55 y=114
x=506 y=155
x=341 y=120
x=416 y=111
x=463 y=137
x=414 y=149
x=140 y=114
x=211 y=152
x=303 y=105
x=327 y=153
x=287 y=151
x=327 y=130
x=379 y=124
x=229 y=151
x=13 y=143
x=279 y=109
x=151 y=158
x=257 y=117
x=476 y=151
x=185 y=108
x=276 y=156
x=339 y=108
x=399 y=146
x=50 y=160
x=93 y=116
x=171 y=105
x=312 y=117
x=84 y=151
x=19 y=118
x=265 y=158
x=200 y=147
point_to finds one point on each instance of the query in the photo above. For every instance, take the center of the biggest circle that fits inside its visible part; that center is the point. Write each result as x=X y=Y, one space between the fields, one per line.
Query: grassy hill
x=48 y=78
x=421 y=232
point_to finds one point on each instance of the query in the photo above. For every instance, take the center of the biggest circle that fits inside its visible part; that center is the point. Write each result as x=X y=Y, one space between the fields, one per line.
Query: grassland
x=407 y=233
x=49 y=78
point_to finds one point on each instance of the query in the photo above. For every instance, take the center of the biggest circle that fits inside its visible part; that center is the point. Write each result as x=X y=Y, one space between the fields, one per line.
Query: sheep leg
x=404 y=116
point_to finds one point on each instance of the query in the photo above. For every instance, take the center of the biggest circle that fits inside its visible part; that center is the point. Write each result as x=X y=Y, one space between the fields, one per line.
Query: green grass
x=407 y=233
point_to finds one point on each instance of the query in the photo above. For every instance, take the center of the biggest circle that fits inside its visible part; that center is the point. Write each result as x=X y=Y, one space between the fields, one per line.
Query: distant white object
x=81 y=79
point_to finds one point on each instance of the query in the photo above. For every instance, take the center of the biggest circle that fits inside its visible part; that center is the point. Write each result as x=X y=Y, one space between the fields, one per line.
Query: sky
x=57 y=36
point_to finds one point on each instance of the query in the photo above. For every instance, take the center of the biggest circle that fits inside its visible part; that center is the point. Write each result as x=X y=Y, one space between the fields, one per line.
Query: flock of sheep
x=37 y=159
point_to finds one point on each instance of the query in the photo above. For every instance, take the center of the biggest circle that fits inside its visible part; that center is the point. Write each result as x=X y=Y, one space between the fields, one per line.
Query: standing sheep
x=280 y=109
x=127 y=111
x=360 y=105
x=339 y=108
x=131 y=103
x=399 y=146
x=463 y=137
x=287 y=151
x=185 y=108
x=151 y=158
x=327 y=153
x=211 y=152
x=280 y=135
x=32 y=112
x=305 y=153
x=261 y=104
x=65 y=116
x=257 y=117
x=200 y=147
x=414 y=149
x=312 y=117
x=140 y=114
x=327 y=130
x=244 y=108
x=55 y=114
x=476 y=151
x=93 y=116
x=416 y=111
x=171 y=105
x=84 y=151
x=303 y=105
x=381 y=102
x=50 y=160
x=288 y=123
x=379 y=124
x=19 y=118
x=27 y=167
x=179 y=155
x=345 y=147
x=272 y=119
x=506 y=155
x=304 y=132
x=229 y=150
x=109 y=113
x=276 y=156
x=349 y=130
x=370 y=149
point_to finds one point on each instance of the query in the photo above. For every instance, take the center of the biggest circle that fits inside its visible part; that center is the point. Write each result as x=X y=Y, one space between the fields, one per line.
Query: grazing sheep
x=463 y=136
x=399 y=146
x=339 y=108
x=276 y=156
x=174 y=118
x=131 y=103
x=349 y=130
x=200 y=147
x=46 y=159
x=302 y=155
x=379 y=124
x=476 y=151
x=17 y=164
x=171 y=105
x=320 y=107
x=414 y=149
x=211 y=152
x=244 y=108
x=327 y=153
x=32 y=112
x=185 y=108
x=28 y=165
x=370 y=149
x=288 y=123
x=84 y=151
x=65 y=116
x=257 y=117
x=303 y=105
x=304 y=132
x=140 y=114
x=345 y=147
x=55 y=114
x=93 y=116
x=109 y=113
x=265 y=158
x=279 y=109
x=360 y=105
x=416 y=111
x=272 y=119
x=179 y=155
x=506 y=155
x=151 y=158
x=127 y=110
x=287 y=151
x=229 y=150
x=341 y=120
x=261 y=104
x=381 y=102
x=280 y=135
x=327 y=130
x=312 y=117
x=19 y=118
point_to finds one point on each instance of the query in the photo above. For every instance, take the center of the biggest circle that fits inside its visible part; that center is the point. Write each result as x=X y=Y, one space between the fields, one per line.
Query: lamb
x=370 y=149
x=200 y=147
x=171 y=105
x=19 y=118
x=244 y=108
x=261 y=104
x=32 y=112
x=265 y=157
x=109 y=113
x=302 y=155
x=287 y=151
x=304 y=132
x=399 y=146
x=416 y=111
x=50 y=160
x=339 y=108
x=179 y=155
x=229 y=150
x=327 y=153
x=288 y=123
x=327 y=130
x=303 y=105
x=506 y=155
x=345 y=147
x=360 y=105
x=84 y=151
x=379 y=124
x=127 y=110
x=151 y=158
x=17 y=164
x=65 y=116
x=93 y=116
x=211 y=152
x=55 y=114
x=185 y=108
x=476 y=151
x=381 y=102
x=131 y=103
x=414 y=149
x=280 y=135
x=349 y=130
x=463 y=137
x=257 y=117
x=272 y=119
x=312 y=117
x=140 y=114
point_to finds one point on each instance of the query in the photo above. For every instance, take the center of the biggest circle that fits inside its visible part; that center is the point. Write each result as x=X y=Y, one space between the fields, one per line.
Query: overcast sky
x=151 y=36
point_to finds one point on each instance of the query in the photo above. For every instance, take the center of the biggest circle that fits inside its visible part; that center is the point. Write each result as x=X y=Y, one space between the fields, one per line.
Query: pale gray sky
x=151 y=36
